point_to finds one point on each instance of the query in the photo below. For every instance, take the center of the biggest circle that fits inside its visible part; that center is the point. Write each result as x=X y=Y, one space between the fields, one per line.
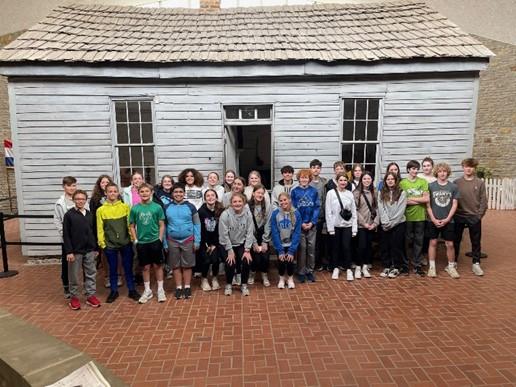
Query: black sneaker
x=112 y=297
x=420 y=272
x=319 y=268
x=134 y=295
x=66 y=291
x=187 y=293
x=404 y=271
x=179 y=293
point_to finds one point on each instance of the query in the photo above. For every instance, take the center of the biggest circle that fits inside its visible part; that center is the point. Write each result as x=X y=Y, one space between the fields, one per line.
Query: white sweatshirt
x=332 y=207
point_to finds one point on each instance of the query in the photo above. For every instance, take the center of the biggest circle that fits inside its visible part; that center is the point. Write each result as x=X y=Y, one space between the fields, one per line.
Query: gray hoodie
x=236 y=229
x=61 y=207
x=392 y=214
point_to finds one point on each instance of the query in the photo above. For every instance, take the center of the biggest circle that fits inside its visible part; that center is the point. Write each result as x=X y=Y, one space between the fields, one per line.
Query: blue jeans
x=127 y=263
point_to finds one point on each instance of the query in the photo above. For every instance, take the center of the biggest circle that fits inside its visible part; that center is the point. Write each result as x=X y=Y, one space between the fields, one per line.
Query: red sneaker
x=74 y=303
x=93 y=301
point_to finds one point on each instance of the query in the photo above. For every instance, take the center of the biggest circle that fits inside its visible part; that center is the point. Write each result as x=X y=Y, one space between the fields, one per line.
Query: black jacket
x=78 y=235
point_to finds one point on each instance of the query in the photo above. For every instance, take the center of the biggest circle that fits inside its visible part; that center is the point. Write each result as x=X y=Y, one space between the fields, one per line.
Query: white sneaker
x=358 y=272
x=365 y=272
x=215 y=284
x=452 y=271
x=281 y=283
x=237 y=280
x=250 y=281
x=161 y=295
x=146 y=296
x=197 y=274
x=119 y=282
x=349 y=275
x=431 y=272
x=244 y=289
x=335 y=274
x=205 y=285
x=265 y=279
x=228 y=291
x=385 y=273
x=477 y=270
x=290 y=282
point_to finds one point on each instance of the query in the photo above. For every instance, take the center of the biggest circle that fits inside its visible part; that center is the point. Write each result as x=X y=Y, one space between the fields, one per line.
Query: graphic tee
x=441 y=198
x=415 y=189
x=146 y=217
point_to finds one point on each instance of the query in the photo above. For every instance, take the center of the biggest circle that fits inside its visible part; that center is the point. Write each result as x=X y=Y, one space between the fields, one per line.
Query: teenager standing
x=321 y=240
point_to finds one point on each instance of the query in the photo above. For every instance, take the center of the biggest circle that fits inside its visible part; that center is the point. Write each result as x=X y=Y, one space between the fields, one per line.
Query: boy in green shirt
x=416 y=190
x=147 y=225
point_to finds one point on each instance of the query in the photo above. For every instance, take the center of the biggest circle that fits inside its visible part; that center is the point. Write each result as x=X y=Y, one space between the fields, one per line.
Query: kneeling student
x=441 y=208
x=147 y=222
x=80 y=249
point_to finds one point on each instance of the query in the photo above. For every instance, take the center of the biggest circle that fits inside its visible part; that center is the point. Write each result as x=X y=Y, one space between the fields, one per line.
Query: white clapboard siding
x=65 y=128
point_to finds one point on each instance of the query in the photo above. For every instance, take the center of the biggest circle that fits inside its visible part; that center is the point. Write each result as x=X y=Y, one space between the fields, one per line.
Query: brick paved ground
x=406 y=332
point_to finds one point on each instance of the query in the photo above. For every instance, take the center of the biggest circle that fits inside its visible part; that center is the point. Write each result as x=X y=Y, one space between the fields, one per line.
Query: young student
x=392 y=202
x=130 y=194
x=319 y=183
x=357 y=171
x=163 y=191
x=236 y=235
x=193 y=182
x=427 y=167
x=147 y=226
x=236 y=187
x=261 y=213
x=210 y=250
x=341 y=220
x=441 y=208
x=98 y=197
x=471 y=209
x=284 y=185
x=183 y=239
x=229 y=176
x=286 y=235
x=338 y=168
x=63 y=204
x=416 y=190
x=80 y=249
x=213 y=183
x=368 y=220
x=253 y=180
x=391 y=168
x=305 y=199
x=114 y=238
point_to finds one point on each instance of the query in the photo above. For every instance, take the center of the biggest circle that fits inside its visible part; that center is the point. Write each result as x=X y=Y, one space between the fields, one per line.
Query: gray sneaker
x=452 y=271
x=228 y=291
x=245 y=290
x=477 y=270
x=146 y=296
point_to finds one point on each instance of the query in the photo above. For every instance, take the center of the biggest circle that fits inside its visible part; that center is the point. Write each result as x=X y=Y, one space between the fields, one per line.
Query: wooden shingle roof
x=322 y=32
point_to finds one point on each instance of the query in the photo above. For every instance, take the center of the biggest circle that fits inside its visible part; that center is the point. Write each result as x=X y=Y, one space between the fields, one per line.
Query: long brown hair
x=252 y=203
x=218 y=205
x=98 y=193
x=385 y=195
x=371 y=189
x=198 y=179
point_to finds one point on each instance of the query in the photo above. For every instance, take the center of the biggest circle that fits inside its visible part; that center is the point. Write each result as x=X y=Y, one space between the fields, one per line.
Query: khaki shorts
x=181 y=254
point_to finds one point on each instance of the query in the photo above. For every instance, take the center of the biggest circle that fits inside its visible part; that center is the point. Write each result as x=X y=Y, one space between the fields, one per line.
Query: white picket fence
x=501 y=193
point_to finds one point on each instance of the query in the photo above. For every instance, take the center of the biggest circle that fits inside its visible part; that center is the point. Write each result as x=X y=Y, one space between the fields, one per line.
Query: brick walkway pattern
x=379 y=332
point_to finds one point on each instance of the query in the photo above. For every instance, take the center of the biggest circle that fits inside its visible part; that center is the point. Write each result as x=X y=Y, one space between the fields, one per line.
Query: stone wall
x=495 y=133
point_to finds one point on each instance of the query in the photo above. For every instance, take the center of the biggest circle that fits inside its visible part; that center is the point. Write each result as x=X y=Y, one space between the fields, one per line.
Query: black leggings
x=342 y=248
x=393 y=246
x=213 y=259
x=365 y=247
x=286 y=266
x=260 y=262
x=239 y=263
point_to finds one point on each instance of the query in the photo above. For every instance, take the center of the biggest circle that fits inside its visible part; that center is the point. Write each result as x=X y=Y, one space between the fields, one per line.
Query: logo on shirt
x=305 y=201
x=442 y=198
x=145 y=218
x=210 y=224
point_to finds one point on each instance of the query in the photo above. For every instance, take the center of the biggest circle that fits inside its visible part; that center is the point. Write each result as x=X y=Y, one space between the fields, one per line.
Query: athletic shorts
x=181 y=254
x=150 y=253
x=447 y=232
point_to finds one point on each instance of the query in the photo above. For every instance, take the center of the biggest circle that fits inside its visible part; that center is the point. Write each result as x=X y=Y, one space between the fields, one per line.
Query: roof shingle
x=322 y=32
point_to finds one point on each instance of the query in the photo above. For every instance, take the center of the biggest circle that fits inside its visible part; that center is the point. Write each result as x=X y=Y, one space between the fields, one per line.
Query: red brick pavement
x=378 y=332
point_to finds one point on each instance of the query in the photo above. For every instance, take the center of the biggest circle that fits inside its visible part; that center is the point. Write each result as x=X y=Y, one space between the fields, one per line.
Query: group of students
x=313 y=224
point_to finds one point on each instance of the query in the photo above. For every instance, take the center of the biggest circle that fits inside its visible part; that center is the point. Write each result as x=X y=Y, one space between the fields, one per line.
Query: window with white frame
x=360 y=137
x=135 y=140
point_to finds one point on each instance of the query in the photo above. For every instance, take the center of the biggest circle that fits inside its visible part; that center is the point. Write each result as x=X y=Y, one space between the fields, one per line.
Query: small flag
x=9 y=155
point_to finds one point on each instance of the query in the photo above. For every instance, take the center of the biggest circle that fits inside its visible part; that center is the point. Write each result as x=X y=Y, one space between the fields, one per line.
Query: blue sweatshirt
x=306 y=201
x=182 y=223
x=284 y=233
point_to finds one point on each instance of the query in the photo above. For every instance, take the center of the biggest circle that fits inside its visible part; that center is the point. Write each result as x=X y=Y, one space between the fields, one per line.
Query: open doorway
x=249 y=148
x=248 y=140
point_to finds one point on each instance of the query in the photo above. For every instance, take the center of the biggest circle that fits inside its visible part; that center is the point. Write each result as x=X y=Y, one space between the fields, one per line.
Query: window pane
x=361 y=109
x=134 y=134
x=231 y=112
x=136 y=156
x=134 y=113
x=264 y=112
x=349 y=109
x=150 y=175
x=120 y=112
x=147 y=133
x=148 y=156
x=125 y=177
x=121 y=134
x=360 y=130
x=374 y=107
x=248 y=112
x=123 y=156
x=347 y=153
x=145 y=111
x=372 y=130
x=370 y=153
x=347 y=135
x=358 y=155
